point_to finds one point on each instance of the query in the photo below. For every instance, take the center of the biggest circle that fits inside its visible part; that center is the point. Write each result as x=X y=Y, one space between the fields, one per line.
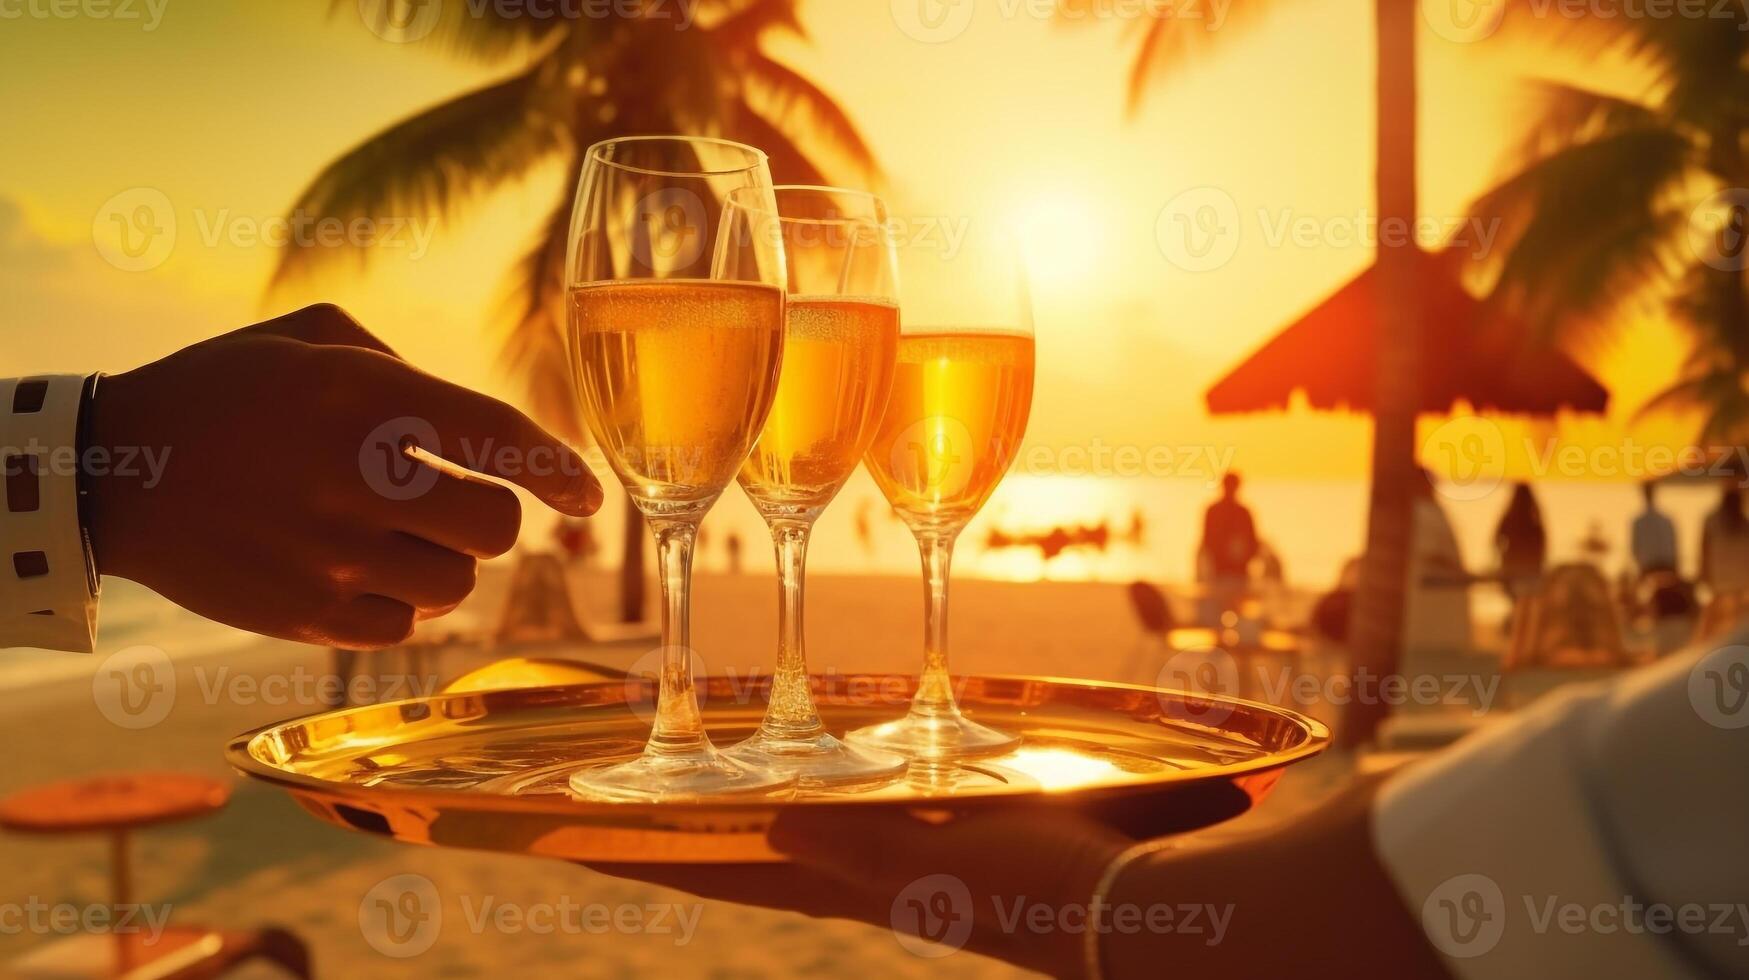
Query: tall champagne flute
x=675 y=336
x=842 y=337
x=961 y=394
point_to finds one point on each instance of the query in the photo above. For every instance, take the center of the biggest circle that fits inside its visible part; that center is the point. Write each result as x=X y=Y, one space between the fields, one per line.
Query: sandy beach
x=263 y=860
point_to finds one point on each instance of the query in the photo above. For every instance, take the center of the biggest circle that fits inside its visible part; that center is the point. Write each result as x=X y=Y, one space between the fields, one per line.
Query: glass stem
x=791 y=713
x=934 y=698
x=679 y=729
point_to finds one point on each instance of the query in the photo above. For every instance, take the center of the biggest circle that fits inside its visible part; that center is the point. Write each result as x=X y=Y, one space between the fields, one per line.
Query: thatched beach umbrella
x=1470 y=352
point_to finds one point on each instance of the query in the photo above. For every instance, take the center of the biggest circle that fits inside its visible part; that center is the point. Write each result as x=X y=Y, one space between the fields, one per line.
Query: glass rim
x=595 y=154
x=876 y=219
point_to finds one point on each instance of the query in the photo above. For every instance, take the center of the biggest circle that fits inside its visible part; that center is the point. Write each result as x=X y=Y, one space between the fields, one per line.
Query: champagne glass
x=842 y=337
x=675 y=339
x=961 y=394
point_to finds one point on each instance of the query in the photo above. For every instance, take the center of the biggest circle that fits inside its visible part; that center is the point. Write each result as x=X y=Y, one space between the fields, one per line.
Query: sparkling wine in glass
x=961 y=393
x=675 y=336
x=838 y=356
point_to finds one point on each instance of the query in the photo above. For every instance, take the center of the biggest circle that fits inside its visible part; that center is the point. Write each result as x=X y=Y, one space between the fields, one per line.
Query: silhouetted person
x=1229 y=542
x=1653 y=536
x=864 y=527
x=1724 y=544
x=733 y=544
x=1522 y=544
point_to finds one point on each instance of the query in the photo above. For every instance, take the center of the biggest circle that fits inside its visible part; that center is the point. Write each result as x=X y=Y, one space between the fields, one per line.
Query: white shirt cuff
x=46 y=595
x=1521 y=858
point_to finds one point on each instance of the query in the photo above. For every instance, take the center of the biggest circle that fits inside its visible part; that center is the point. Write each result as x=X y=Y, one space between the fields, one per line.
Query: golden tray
x=487 y=769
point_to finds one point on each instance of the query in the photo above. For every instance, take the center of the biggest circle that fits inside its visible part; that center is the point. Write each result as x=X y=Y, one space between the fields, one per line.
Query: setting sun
x=427 y=425
x=1060 y=240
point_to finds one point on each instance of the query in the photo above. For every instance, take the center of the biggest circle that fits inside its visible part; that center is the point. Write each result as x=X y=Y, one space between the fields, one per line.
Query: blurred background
x=1196 y=186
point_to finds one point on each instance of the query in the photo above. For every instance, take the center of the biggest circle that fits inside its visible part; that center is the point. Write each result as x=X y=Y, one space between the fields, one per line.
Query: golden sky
x=228 y=108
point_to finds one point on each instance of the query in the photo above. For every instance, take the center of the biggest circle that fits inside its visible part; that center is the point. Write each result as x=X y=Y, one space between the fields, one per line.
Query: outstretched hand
x=970 y=882
x=1306 y=898
x=285 y=503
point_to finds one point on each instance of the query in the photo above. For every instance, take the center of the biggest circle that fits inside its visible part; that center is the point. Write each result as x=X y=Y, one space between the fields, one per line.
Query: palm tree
x=1377 y=631
x=571 y=83
x=1625 y=202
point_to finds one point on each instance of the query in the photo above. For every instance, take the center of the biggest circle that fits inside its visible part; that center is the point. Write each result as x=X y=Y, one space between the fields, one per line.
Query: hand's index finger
x=487 y=436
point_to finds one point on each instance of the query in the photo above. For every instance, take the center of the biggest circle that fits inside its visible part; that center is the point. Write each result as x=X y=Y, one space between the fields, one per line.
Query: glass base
x=820 y=761
x=661 y=777
x=934 y=736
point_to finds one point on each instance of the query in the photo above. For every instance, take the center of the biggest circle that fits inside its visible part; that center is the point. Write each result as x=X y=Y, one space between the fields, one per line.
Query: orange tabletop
x=112 y=802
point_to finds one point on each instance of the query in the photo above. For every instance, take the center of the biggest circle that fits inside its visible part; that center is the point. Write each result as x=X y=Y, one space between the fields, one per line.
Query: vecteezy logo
x=934 y=457
x=401 y=916
x=1718 y=230
x=385 y=464
x=1463 y=21
x=1465 y=916
x=135 y=231
x=932 y=916
x=135 y=688
x=932 y=21
x=400 y=21
x=1209 y=677
x=1718 y=687
x=1472 y=451
x=1198 y=231
x=669 y=230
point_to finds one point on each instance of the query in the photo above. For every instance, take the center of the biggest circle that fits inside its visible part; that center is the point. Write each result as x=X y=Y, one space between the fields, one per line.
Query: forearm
x=117 y=428
x=1309 y=899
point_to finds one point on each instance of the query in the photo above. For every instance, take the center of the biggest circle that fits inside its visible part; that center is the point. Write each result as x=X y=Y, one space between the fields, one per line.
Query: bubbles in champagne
x=676 y=377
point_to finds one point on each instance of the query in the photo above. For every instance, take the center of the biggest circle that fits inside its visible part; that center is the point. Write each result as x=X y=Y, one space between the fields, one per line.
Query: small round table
x=114 y=805
x=1249 y=653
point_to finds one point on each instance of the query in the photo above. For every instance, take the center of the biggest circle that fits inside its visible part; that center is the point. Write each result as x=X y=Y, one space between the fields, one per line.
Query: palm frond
x=1588 y=228
x=1709 y=302
x=534 y=349
x=1170 y=40
x=796 y=105
x=742 y=28
x=1717 y=393
x=478 y=30
x=1569 y=114
x=1694 y=62
x=789 y=164
x=424 y=165
x=1700 y=62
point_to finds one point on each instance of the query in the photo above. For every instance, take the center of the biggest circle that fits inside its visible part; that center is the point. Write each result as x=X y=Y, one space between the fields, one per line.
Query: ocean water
x=1315 y=526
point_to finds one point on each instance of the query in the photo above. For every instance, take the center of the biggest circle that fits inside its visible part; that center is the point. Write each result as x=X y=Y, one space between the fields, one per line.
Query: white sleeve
x=1600 y=835
x=48 y=594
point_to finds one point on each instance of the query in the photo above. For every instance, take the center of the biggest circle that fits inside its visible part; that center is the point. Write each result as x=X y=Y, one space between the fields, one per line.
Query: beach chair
x=1154 y=614
x=1152 y=609
x=1663 y=612
x=1569 y=630
x=1722 y=613
x=540 y=610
